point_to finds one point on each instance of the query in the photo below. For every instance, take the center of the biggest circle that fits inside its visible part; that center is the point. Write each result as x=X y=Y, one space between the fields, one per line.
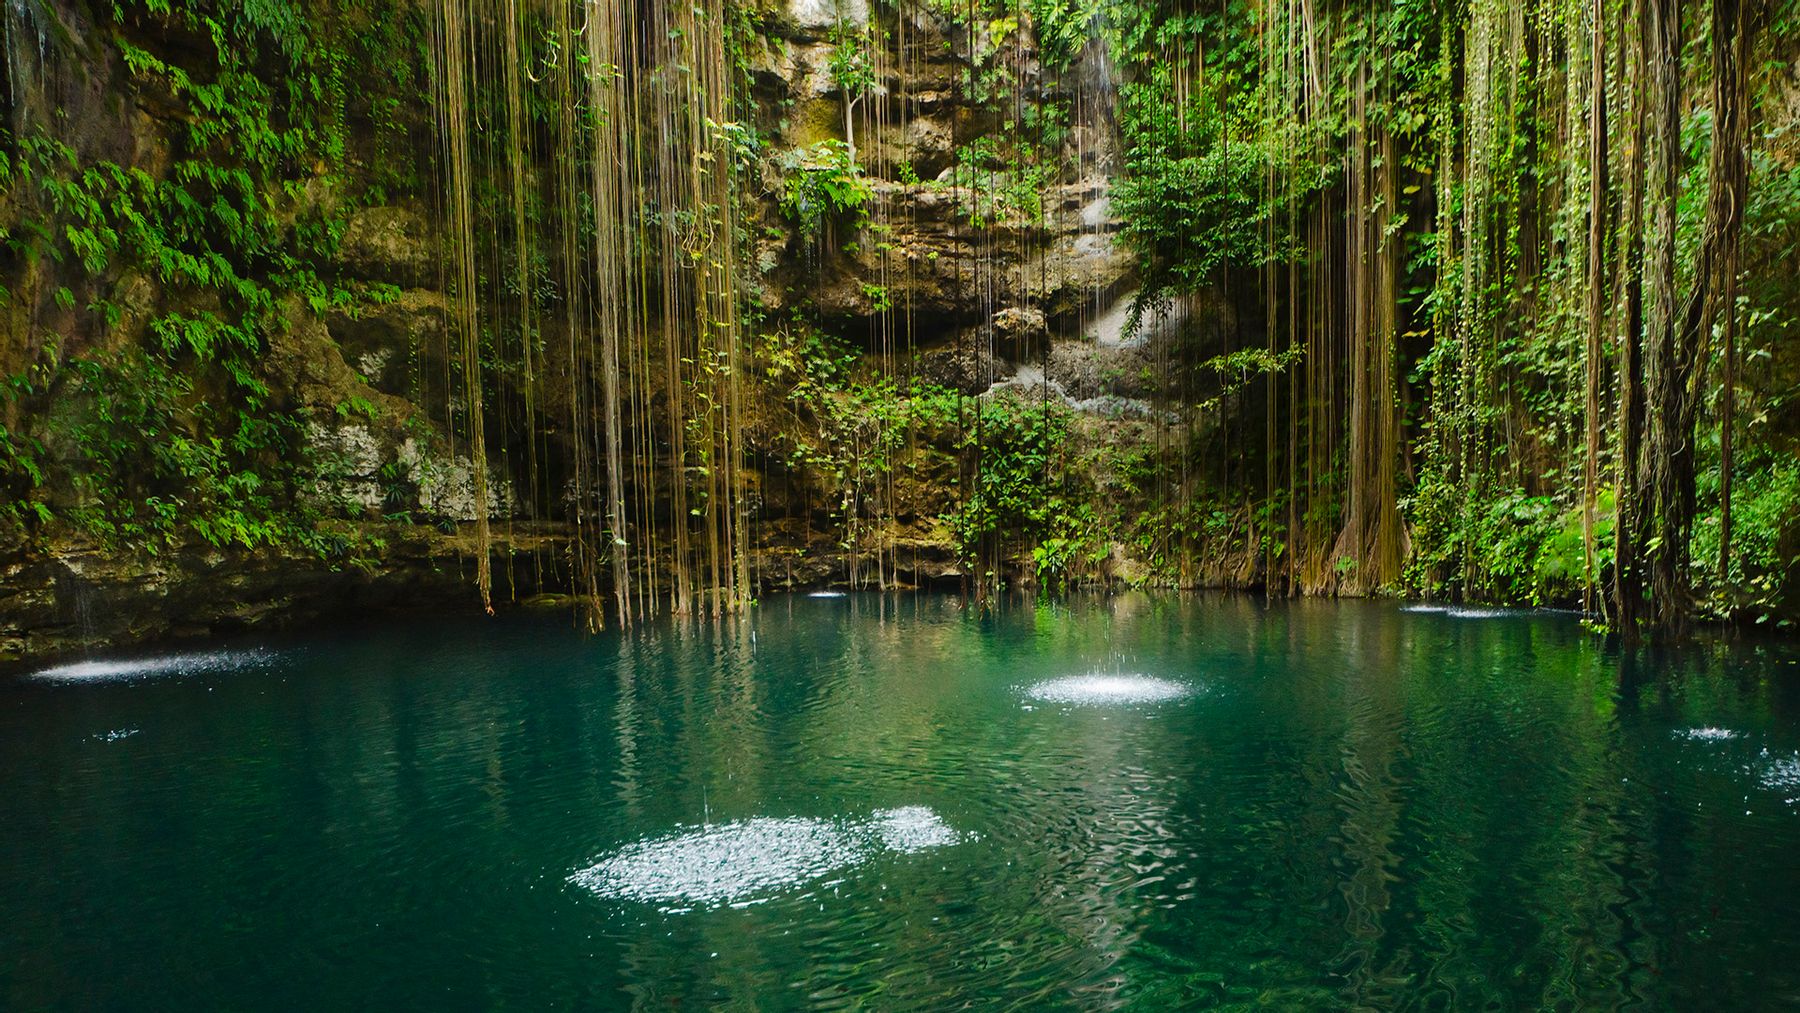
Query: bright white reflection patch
x=825 y=594
x=116 y=734
x=1101 y=688
x=912 y=829
x=1707 y=734
x=1424 y=607
x=126 y=669
x=1780 y=773
x=749 y=861
x=1479 y=613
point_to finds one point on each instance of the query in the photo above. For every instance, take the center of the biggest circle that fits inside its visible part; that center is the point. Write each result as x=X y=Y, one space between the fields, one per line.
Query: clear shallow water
x=899 y=804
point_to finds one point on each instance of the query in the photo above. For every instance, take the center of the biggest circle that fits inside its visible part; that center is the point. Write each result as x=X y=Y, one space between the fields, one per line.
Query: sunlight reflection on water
x=1707 y=734
x=1780 y=774
x=127 y=669
x=1102 y=688
x=750 y=861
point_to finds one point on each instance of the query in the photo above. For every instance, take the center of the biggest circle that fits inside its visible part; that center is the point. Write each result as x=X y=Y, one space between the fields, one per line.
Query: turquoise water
x=901 y=803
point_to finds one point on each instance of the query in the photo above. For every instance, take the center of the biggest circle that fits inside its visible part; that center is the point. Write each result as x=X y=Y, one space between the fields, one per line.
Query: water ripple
x=1319 y=805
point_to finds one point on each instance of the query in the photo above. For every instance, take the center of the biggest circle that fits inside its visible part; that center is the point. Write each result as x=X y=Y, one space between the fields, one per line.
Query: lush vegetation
x=1463 y=300
x=1512 y=285
x=153 y=298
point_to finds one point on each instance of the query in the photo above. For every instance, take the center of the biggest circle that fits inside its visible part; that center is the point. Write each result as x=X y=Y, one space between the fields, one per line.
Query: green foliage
x=21 y=471
x=1003 y=174
x=1073 y=545
x=1228 y=152
x=851 y=65
x=1020 y=494
x=855 y=428
x=1189 y=217
x=1237 y=370
x=1531 y=549
x=181 y=436
x=1535 y=546
x=837 y=429
x=161 y=469
x=1003 y=181
x=1015 y=445
x=822 y=181
x=1761 y=583
x=1063 y=28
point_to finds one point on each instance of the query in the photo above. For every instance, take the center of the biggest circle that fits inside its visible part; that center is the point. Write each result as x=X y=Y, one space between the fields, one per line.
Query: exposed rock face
x=969 y=366
x=938 y=248
x=383 y=342
x=939 y=263
x=76 y=596
x=390 y=244
x=928 y=144
x=368 y=453
x=817 y=19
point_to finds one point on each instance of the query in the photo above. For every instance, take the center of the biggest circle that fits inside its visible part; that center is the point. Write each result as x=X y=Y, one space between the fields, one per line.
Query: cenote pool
x=903 y=803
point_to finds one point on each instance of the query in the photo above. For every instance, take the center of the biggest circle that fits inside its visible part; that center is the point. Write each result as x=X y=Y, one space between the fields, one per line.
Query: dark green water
x=858 y=803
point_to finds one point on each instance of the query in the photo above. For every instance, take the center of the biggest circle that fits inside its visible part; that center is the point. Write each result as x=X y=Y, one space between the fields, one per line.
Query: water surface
x=902 y=803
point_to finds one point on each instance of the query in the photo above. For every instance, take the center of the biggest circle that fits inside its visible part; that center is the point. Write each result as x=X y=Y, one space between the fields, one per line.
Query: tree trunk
x=1667 y=464
x=1596 y=289
x=1628 y=588
x=1715 y=291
